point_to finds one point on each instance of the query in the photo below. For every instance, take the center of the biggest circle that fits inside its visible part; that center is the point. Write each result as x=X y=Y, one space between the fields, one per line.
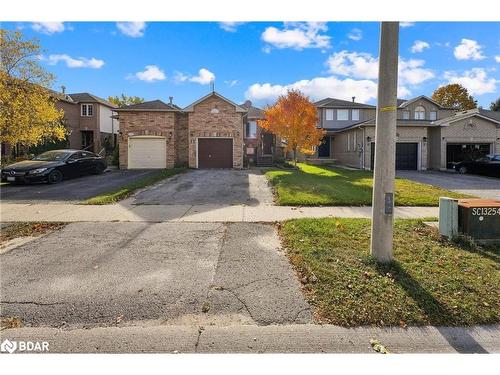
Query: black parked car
x=54 y=166
x=488 y=165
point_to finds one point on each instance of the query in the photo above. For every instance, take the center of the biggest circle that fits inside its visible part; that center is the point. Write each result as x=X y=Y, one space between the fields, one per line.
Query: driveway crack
x=31 y=303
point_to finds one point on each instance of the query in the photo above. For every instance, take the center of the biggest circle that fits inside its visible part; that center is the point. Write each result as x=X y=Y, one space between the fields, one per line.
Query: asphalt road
x=108 y=274
x=479 y=186
x=72 y=190
x=210 y=186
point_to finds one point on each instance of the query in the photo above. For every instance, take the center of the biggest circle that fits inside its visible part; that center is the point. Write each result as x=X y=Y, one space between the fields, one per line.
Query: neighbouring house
x=262 y=148
x=90 y=122
x=429 y=136
x=206 y=134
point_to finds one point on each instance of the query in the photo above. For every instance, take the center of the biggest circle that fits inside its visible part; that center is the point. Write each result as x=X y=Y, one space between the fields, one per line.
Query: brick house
x=90 y=122
x=206 y=134
x=261 y=148
x=429 y=136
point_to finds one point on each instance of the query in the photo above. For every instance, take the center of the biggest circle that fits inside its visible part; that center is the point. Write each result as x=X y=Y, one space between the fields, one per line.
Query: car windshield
x=51 y=156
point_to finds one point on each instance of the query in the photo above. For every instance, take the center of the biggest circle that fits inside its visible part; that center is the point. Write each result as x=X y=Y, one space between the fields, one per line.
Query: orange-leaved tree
x=294 y=119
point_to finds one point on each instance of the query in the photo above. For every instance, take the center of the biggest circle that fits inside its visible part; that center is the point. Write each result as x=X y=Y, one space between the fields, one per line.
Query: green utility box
x=479 y=219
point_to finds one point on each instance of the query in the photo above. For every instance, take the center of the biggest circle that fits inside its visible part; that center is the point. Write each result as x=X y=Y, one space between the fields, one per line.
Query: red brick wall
x=147 y=123
x=181 y=139
x=227 y=123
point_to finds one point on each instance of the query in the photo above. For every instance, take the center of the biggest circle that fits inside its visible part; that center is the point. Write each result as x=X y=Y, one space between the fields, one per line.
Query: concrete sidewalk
x=299 y=338
x=189 y=213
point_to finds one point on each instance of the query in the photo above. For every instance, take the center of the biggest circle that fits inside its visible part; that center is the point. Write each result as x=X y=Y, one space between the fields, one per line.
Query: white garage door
x=147 y=153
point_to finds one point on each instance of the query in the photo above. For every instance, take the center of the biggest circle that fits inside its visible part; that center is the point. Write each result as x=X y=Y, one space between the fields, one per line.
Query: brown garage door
x=215 y=153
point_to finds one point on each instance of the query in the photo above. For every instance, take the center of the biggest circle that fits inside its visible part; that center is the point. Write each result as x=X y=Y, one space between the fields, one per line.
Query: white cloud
x=476 y=81
x=204 y=77
x=497 y=58
x=297 y=35
x=353 y=64
x=151 y=73
x=419 y=46
x=132 y=29
x=48 y=28
x=406 y=24
x=317 y=88
x=231 y=82
x=80 y=62
x=355 y=34
x=364 y=66
x=468 y=49
x=230 y=26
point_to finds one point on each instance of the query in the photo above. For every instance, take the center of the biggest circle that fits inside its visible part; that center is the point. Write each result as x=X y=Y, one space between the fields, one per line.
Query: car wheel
x=55 y=177
x=462 y=170
x=99 y=169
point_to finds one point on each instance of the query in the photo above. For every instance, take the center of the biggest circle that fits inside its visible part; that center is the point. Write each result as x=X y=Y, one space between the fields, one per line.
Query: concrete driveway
x=108 y=274
x=479 y=186
x=72 y=190
x=210 y=186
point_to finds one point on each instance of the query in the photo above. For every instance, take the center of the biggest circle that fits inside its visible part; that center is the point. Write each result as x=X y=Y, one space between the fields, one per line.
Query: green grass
x=127 y=190
x=320 y=185
x=431 y=281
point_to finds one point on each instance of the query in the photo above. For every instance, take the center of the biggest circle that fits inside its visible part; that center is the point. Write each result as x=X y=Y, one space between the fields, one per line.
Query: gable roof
x=476 y=112
x=86 y=97
x=338 y=103
x=152 y=105
x=405 y=103
x=190 y=108
x=495 y=115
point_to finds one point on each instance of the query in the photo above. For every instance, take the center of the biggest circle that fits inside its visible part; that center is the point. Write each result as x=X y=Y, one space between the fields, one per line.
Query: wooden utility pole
x=385 y=145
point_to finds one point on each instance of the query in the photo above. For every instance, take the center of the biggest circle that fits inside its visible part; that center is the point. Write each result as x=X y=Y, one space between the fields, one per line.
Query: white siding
x=106 y=122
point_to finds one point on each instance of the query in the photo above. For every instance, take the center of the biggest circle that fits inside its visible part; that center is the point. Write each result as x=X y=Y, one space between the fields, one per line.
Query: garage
x=215 y=152
x=147 y=153
x=457 y=152
x=406 y=156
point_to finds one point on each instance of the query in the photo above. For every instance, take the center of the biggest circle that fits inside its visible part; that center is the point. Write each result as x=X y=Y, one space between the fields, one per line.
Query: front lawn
x=127 y=190
x=313 y=185
x=432 y=281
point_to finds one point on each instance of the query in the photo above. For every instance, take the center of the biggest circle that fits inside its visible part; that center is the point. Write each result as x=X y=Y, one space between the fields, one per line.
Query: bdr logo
x=24 y=346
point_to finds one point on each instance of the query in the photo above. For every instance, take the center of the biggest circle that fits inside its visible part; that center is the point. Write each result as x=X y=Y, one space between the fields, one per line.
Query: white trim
x=404 y=104
x=197 y=154
x=87 y=106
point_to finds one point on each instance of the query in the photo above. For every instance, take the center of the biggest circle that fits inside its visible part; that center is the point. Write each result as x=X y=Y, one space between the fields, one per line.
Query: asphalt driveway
x=210 y=186
x=479 y=186
x=72 y=190
x=104 y=274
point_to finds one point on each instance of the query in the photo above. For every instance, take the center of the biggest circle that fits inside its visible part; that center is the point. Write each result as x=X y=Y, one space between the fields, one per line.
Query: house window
x=433 y=115
x=87 y=110
x=329 y=115
x=342 y=114
x=251 y=129
x=354 y=141
x=355 y=115
x=406 y=115
x=419 y=113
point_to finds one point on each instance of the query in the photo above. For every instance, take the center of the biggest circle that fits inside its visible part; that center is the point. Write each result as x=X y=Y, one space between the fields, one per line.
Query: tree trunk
x=295 y=156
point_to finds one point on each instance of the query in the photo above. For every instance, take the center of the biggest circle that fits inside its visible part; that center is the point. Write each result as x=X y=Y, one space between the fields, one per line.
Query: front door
x=267 y=143
x=324 y=148
x=88 y=140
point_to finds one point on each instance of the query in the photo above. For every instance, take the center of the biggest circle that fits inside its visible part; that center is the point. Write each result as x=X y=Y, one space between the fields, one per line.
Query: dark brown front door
x=267 y=144
x=88 y=140
x=215 y=153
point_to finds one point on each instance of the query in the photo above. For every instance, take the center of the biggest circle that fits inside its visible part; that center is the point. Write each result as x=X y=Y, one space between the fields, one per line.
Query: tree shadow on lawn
x=457 y=337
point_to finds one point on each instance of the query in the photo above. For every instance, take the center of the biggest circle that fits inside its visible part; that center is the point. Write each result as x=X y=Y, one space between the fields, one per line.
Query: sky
x=261 y=60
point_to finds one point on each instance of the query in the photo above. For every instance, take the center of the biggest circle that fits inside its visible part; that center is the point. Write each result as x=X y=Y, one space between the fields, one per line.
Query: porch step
x=264 y=161
x=319 y=161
